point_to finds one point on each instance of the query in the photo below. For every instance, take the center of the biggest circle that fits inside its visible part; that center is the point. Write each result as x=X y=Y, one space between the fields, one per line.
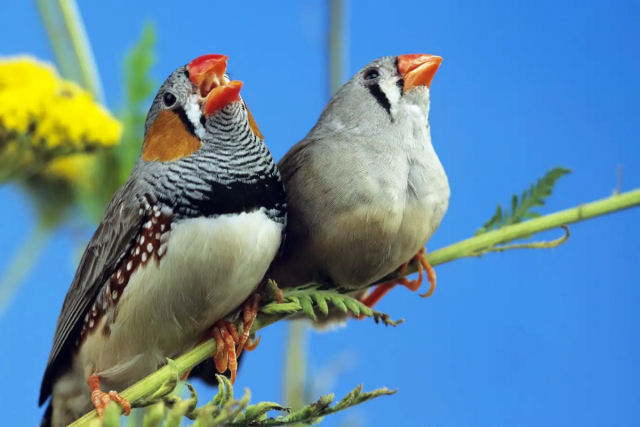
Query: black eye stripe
x=400 y=84
x=379 y=95
x=184 y=119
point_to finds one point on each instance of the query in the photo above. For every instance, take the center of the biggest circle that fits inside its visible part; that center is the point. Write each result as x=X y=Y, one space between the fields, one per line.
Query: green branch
x=299 y=300
x=490 y=241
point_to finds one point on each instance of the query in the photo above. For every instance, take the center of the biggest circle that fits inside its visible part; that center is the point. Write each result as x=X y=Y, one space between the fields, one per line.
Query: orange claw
x=101 y=399
x=249 y=314
x=431 y=274
x=220 y=357
x=230 y=345
x=423 y=265
x=251 y=344
x=227 y=337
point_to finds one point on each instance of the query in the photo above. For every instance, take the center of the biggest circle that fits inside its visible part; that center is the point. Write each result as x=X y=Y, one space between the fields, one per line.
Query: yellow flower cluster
x=42 y=115
x=75 y=168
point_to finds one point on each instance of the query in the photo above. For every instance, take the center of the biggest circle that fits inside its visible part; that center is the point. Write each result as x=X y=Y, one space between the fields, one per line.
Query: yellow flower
x=74 y=168
x=43 y=116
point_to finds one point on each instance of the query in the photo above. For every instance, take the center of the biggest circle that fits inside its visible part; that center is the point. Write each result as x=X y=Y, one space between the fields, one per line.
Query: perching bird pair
x=202 y=219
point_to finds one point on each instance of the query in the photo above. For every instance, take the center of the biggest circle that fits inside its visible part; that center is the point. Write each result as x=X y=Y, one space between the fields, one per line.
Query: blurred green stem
x=336 y=45
x=52 y=20
x=70 y=43
x=21 y=263
x=295 y=365
x=84 y=54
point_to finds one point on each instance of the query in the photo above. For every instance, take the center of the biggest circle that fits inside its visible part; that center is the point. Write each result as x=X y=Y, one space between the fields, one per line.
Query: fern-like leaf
x=225 y=410
x=521 y=208
x=313 y=302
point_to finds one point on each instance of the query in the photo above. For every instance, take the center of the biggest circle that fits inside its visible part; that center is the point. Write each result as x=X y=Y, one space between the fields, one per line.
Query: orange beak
x=207 y=73
x=418 y=69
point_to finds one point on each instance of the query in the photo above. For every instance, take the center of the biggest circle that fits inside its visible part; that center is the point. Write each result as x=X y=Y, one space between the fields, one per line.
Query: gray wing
x=112 y=240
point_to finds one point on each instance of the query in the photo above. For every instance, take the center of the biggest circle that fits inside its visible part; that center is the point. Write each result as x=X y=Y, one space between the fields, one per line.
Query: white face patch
x=192 y=109
x=392 y=92
x=413 y=106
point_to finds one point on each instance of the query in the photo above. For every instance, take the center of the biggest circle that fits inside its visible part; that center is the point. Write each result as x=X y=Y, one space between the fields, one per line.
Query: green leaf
x=534 y=196
x=307 y=306
x=138 y=63
x=153 y=415
x=321 y=303
x=288 y=307
x=259 y=411
x=349 y=398
x=338 y=301
x=353 y=306
x=309 y=298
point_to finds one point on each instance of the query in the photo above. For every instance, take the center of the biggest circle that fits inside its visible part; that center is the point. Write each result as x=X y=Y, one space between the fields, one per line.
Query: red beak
x=418 y=69
x=207 y=73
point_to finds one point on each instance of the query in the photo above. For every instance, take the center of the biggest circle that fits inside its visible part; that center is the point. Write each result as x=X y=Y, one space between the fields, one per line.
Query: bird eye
x=371 y=74
x=169 y=99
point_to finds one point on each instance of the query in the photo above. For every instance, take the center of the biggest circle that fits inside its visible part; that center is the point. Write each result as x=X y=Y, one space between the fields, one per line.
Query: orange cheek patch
x=168 y=139
x=252 y=124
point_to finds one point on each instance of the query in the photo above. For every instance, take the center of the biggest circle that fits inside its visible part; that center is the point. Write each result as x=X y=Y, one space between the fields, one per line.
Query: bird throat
x=168 y=139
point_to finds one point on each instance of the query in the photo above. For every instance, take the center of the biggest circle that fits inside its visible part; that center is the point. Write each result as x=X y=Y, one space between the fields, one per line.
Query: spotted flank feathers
x=151 y=244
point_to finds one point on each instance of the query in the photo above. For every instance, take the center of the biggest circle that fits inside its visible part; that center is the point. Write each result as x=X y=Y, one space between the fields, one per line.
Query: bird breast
x=211 y=265
x=394 y=203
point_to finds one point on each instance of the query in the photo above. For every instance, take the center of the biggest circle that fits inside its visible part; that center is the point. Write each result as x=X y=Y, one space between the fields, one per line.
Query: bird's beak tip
x=221 y=96
x=418 y=69
x=207 y=72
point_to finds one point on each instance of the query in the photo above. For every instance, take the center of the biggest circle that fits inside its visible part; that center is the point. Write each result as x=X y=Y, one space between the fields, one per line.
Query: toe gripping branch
x=423 y=265
x=227 y=337
x=101 y=399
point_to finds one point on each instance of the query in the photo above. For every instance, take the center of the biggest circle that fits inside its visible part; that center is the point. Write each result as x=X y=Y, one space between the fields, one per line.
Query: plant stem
x=70 y=43
x=21 y=264
x=81 y=47
x=465 y=248
x=52 y=20
x=335 y=46
x=470 y=247
x=295 y=365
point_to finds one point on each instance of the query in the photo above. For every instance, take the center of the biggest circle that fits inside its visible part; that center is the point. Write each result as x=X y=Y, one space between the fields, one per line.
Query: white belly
x=210 y=267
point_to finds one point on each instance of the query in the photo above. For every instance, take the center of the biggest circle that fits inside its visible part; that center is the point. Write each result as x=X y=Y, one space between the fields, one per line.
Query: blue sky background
x=522 y=338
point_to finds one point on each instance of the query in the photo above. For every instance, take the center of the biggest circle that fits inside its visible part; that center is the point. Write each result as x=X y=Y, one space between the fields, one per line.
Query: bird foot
x=423 y=266
x=101 y=399
x=227 y=337
x=249 y=314
x=431 y=273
